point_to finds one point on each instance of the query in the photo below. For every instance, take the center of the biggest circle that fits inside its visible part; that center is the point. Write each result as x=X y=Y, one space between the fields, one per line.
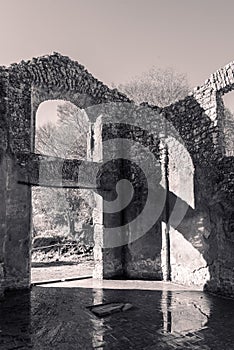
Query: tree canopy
x=159 y=87
x=66 y=139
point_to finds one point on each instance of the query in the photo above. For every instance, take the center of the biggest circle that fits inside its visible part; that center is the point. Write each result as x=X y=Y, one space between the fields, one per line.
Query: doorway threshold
x=37 y=283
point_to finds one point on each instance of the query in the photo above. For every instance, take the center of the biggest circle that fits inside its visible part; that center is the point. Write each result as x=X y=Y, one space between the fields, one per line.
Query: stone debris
x=109 y=309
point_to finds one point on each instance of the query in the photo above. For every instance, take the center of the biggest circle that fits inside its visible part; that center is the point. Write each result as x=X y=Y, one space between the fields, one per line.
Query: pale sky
x=119 y=39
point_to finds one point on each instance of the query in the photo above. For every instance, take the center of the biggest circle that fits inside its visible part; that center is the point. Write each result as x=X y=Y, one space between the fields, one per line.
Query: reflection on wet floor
x=168 y=318
x=182 y=314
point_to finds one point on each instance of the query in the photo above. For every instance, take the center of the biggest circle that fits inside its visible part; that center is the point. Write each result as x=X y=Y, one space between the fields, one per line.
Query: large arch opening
x=62 y=228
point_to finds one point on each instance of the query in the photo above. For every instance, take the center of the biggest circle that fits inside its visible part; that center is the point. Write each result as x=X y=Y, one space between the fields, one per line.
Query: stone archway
x=24 y=87
x=197 y=120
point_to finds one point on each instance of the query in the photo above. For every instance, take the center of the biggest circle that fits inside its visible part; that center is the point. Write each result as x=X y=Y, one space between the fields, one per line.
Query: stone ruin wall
x=196 y=256
x=202 y=245
x=23 y=87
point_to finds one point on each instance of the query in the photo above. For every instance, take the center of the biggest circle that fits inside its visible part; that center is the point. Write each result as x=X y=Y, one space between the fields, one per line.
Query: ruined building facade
x=194 y=178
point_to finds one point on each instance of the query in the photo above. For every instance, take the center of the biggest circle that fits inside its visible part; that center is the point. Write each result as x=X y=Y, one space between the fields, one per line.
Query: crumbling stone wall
x=23 y=87
x=220 y=197
x=194 y=174
x=200 y=246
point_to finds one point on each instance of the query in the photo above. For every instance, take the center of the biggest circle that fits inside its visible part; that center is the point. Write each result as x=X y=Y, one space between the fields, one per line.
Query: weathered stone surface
x=194 y=174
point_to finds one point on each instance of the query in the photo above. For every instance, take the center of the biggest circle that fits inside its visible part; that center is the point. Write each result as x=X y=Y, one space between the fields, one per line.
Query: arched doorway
x=62 y=229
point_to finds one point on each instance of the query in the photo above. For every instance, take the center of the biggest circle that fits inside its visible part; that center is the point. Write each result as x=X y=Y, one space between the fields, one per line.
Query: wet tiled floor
x=164 y=316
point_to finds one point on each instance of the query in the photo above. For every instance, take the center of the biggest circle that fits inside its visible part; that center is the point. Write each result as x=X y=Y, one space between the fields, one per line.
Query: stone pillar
x=18 y=197
x=95 y=155
x=108 y=260
x=3 y=170
x=2 y=221
x=17 y=239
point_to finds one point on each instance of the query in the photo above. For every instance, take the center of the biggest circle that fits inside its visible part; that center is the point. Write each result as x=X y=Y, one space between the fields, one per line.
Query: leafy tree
x=66 y=139
x=159 y=87
x=163 y=87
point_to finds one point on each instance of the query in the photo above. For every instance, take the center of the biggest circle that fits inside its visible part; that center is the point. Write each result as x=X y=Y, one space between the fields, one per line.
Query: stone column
x=2 y=221
x=17 y=240
x=108 y=260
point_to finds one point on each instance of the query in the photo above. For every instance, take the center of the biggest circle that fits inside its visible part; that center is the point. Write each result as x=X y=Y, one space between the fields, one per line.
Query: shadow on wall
x=207 y=221
x=193 y=174
x=197 y=243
